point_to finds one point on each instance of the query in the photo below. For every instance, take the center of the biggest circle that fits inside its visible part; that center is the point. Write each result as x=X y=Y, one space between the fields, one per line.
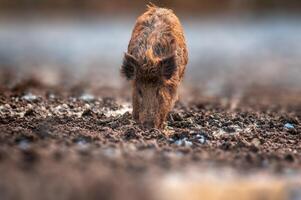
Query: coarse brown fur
x=155 y=63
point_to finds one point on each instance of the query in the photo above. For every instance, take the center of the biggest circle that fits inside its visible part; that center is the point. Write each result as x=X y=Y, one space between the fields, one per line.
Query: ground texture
x=68 y=144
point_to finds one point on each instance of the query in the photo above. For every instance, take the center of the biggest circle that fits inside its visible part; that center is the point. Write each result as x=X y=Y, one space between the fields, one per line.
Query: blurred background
x=238 y=50
x=233 y=44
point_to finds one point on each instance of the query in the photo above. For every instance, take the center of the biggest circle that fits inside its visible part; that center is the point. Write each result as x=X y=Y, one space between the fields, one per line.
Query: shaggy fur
x=155 y=64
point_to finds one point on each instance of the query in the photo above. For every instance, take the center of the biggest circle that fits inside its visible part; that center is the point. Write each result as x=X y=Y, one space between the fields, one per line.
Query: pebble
x=183 y=142
x=5 y=109
x=187 y=143
x=256 y=142
x=52 y=96
x=87 y=106
x=87 y=97
x=24 y=145
x=29 y=97
x=201 y=138
x=82 y=144
x=289 y=126
x=179 y=142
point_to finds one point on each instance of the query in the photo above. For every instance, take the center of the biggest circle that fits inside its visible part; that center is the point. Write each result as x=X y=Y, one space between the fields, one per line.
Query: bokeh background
x=233 y=44
x=61 y=140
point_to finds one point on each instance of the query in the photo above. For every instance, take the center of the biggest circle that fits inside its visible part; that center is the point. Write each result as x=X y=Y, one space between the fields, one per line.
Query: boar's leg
x=135 y=107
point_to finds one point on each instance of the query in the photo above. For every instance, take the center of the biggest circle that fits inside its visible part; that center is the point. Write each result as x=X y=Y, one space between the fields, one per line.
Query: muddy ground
x=67 y=143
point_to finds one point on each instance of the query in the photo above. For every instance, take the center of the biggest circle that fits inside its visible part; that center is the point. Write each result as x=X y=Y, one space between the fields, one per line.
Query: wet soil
x=67 y=144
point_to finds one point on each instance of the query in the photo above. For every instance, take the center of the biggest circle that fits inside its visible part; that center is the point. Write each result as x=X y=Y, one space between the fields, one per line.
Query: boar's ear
x=129 y=66
x=168 y=66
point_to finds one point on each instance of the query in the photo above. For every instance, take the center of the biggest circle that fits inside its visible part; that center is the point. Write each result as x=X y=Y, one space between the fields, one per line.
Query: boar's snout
x=146 y=121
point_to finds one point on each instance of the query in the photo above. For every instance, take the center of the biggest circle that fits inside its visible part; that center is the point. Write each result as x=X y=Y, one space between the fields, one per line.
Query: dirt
x=59 y=143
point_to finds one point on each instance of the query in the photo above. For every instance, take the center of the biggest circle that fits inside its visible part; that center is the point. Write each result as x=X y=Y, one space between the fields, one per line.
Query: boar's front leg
x=135 y=107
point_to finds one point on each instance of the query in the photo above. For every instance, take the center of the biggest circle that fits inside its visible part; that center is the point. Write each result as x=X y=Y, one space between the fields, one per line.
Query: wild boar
x=155 y=64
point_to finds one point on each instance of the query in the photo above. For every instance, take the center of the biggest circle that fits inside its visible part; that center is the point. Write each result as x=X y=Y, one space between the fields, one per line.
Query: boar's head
x=155 y=83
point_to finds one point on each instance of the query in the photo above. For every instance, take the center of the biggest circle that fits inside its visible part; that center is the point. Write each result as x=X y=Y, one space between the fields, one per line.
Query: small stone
x=187 y=143
x=24 y=144
x=87 y=106
x=256 y=142
x=51 y=96
x=29 y=97
x=87 y=97
x=183 y=142
x=5 y=109
x=232 y=129
x=82 y=143
x=289 y=126
x=202 y=140
x=179 y=142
